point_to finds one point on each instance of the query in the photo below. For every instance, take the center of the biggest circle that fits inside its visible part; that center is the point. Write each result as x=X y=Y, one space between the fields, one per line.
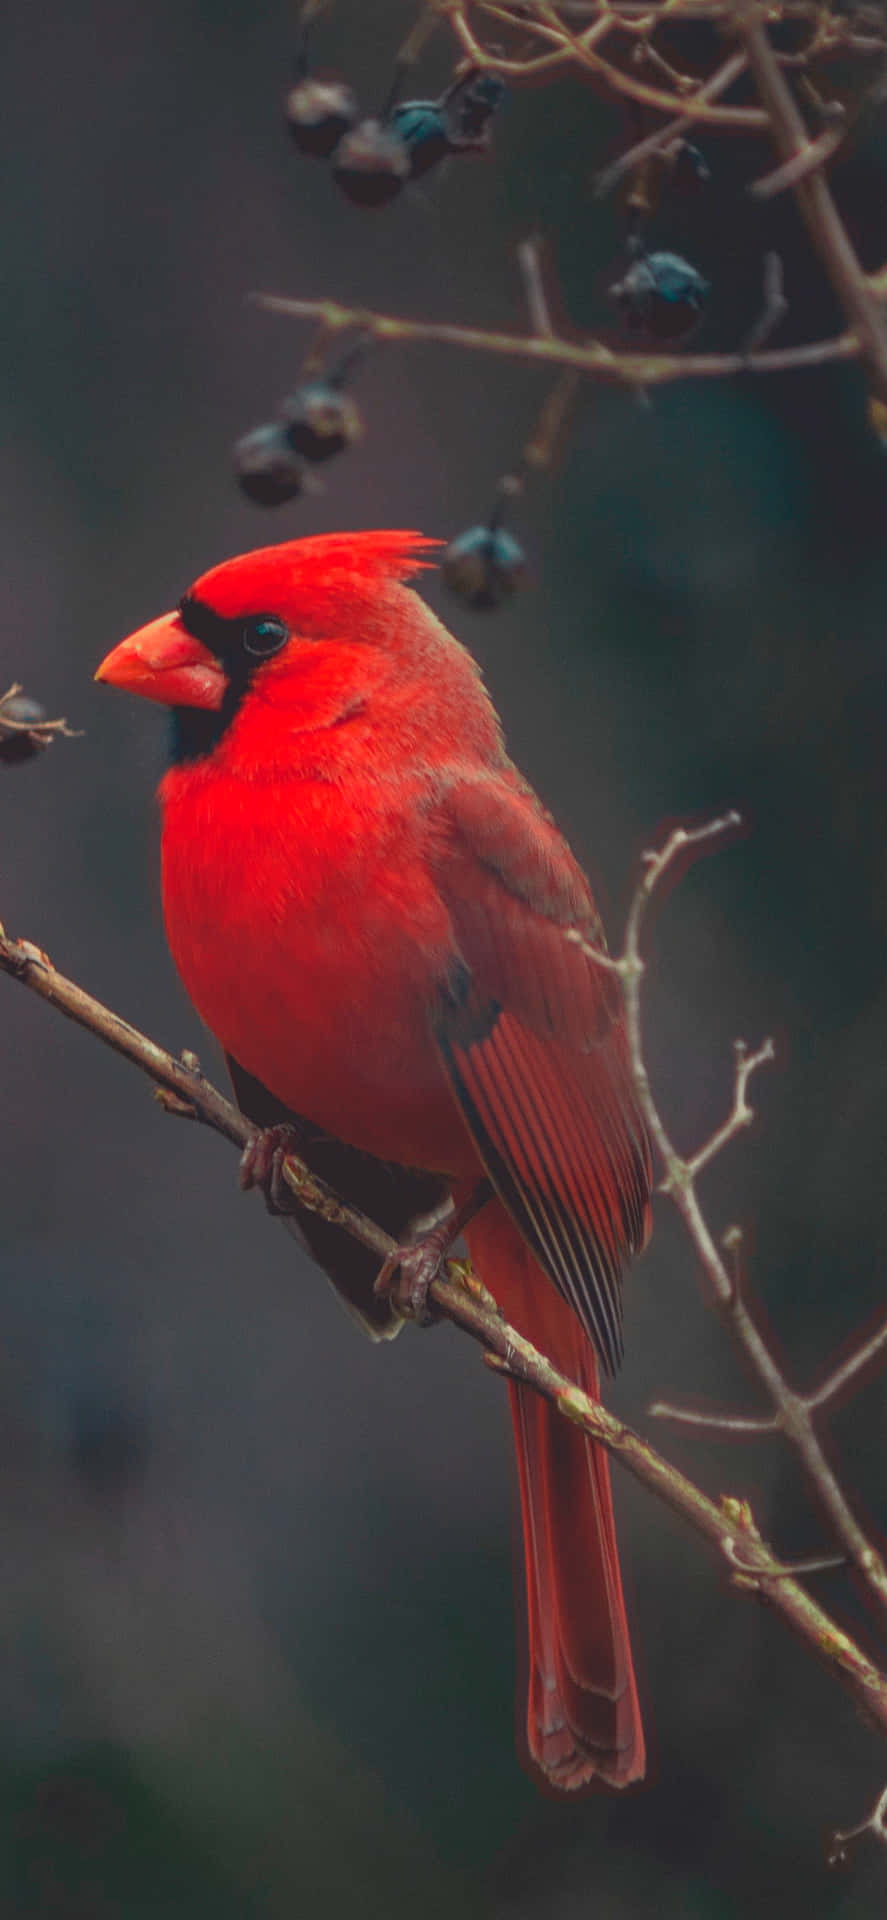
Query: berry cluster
x=483 y=566
x=373 y=158
x=315 y=423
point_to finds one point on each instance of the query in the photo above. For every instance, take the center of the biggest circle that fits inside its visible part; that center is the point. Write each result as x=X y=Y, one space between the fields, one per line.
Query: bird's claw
x=409 y=1272
x=261 y=1165
x=406 y=1278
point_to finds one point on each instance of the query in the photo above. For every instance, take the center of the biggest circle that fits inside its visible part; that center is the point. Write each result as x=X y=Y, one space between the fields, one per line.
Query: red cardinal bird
x=367 y=905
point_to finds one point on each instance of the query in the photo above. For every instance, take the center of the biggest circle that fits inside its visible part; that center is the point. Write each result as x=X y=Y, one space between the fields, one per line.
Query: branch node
x=874 y=1823
x=572 y=1404
x=173 y=1103
x=495 y=1361
x=27 y=955
x=460 y=1273
x=678 y=1178
x=841 y=1377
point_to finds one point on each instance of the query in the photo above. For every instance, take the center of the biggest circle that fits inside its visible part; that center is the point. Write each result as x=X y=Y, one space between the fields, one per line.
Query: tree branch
x=728 y=1525
x=813 y=195
x=589 y=357
x=570 y=50
x=793 y=1413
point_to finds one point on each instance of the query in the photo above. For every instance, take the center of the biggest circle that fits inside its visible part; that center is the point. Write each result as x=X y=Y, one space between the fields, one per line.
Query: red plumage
x=367 y=905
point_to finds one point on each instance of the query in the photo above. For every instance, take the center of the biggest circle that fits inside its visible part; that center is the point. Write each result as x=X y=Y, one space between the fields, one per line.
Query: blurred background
x=256 y=1640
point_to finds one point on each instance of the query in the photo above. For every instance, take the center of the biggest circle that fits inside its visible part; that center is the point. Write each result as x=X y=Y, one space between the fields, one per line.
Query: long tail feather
x=583 y=1717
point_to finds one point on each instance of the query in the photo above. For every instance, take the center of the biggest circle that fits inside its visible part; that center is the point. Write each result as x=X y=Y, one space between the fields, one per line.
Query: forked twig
x=792 y=1412
x=875 y=1824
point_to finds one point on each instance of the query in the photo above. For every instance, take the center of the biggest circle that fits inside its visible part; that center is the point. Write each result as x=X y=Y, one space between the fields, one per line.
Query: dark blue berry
x=422 y=126
x=371 y=164
x=320 y=421
x=471 y=105
x=267 y=469
x=318 y=114
x=483 y=566
x=16 y=743
x=662 y=295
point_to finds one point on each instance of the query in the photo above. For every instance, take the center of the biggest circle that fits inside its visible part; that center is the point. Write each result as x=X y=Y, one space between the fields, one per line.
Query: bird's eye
x=263 y=636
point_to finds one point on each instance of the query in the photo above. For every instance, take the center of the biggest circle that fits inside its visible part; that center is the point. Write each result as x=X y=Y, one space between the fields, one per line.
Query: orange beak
x=163 y=662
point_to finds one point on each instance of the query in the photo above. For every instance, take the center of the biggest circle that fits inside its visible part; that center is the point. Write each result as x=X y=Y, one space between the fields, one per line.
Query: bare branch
x=660 y=141
x=774 y=309
x=813 y=195
x=792 y=1412
x=580 y=50
x=715 y=1422
x=814 y=1563
x=529 y=255
x=814 y=155
x=842 y=1376
x=590 y=357
x=741 y=1114
x=729 y=1525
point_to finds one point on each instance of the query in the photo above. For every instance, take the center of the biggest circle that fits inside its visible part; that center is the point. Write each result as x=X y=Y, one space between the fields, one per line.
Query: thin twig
x=841 y=1377
x=741 y=1114
x=814 y=197
x=728 y=1525
x=42 y=732
x=793 y=1412
x=529 y=256
x=739 y=1423
x=661 y=140
x=715 y=1422
x=591 y=357
x=580 y=50
x=814 y=155
x=774 y=309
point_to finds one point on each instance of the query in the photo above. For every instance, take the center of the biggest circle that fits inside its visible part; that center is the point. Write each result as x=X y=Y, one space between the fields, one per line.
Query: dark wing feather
x=531 y=1034
x=394 y=1197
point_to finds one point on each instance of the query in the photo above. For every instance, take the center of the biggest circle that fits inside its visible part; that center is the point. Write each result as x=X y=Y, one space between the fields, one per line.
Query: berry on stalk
x=422 y=126
x=483 y=566
x=371 y=164
x=266 y=468
x=319 y=113
x=663 y=295
x=320 y=421
x=17 y=742
x=689 y=167
x=470 y=106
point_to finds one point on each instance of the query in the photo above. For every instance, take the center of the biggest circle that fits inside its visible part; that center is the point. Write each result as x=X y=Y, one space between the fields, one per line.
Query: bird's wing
x=530 y=1029
x=394 y=1197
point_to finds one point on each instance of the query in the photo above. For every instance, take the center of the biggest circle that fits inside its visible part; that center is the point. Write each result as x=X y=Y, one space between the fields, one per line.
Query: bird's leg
x=409 y=1271
x=261 y=1165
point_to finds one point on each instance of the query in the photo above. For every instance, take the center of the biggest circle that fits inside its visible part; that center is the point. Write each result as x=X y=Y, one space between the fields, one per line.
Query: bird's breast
x=307 y=930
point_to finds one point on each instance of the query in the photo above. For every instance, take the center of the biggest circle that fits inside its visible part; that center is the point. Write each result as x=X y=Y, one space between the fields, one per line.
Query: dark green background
x=256 y=1643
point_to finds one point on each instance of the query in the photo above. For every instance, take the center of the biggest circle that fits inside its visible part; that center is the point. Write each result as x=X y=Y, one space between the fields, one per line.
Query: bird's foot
x=409 y=1272
x=261 y=1165
x=405 y=1280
